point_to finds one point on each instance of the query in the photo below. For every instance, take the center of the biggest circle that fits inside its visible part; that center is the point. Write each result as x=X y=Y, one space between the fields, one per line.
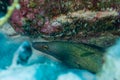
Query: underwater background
x=59 y=39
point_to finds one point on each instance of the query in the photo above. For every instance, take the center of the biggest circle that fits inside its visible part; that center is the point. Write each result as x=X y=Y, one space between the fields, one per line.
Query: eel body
x=74 y=55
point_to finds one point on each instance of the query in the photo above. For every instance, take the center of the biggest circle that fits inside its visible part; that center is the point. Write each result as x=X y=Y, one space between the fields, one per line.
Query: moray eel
x=3 y=7
x=74 y=55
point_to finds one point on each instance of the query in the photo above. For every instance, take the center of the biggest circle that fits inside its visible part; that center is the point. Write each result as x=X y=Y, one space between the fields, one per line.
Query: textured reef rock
x=40 y=17
x=7 y=29
x=31 y=17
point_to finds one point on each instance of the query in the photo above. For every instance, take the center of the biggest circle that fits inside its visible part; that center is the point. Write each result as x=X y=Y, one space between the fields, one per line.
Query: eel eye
x=45 y=47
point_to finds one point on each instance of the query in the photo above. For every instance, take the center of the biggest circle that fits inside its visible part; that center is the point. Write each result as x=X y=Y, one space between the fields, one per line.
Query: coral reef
x=90 y=21
x=38 y=18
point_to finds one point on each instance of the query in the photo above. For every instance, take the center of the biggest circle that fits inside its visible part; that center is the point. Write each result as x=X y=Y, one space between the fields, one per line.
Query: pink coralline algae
x=49 y=28
x=35 y=16
x=32 y=17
